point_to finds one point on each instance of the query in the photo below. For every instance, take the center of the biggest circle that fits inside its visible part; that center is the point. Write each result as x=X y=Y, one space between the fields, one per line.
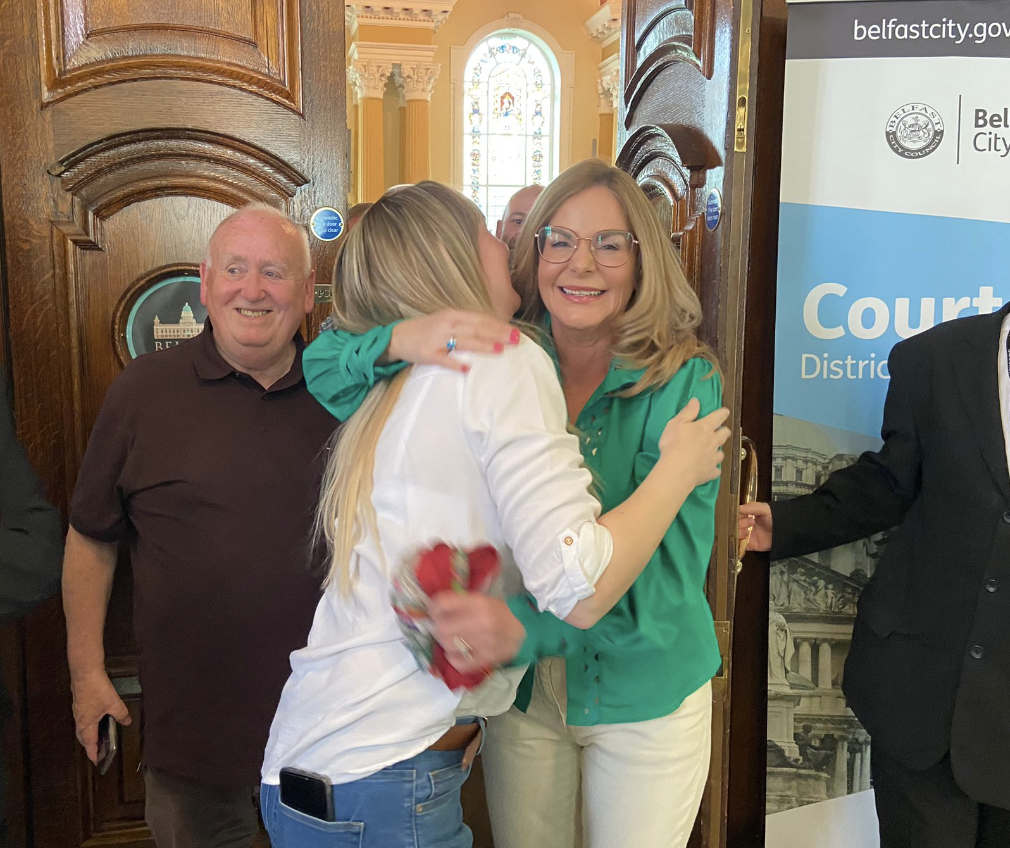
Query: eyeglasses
x=611 y=248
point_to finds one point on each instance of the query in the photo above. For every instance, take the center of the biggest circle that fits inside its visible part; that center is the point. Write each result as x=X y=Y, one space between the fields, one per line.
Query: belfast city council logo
x=914 y=131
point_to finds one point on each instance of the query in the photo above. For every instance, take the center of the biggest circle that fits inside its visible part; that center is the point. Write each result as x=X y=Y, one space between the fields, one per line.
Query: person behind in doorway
x=610 y=745
x=469 y=458
x=354 y=215
x=203 y=463
x=928 y=666
x=515 y=212
x=31 y=548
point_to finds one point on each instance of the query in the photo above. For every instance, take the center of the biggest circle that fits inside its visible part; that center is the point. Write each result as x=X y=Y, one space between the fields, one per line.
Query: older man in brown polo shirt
x=204 y=462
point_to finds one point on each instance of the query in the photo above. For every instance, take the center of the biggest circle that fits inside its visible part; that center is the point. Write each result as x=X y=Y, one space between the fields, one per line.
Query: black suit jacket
x=928 y=670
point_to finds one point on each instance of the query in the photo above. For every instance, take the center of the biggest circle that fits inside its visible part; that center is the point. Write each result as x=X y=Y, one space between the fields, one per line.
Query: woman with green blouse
x=608 y=742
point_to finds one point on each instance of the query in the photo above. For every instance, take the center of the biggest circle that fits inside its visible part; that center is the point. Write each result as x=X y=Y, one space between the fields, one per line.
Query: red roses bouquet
x=440 y=568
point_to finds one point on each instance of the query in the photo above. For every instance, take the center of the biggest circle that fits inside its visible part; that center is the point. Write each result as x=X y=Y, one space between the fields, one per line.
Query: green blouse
x=657 y=645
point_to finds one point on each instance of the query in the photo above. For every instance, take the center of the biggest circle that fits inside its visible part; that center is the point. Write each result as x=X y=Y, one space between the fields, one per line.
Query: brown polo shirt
x=211 y=481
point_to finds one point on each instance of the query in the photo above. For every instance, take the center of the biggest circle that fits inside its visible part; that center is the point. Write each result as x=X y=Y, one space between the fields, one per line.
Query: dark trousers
x=927 y=809
x=184 y=813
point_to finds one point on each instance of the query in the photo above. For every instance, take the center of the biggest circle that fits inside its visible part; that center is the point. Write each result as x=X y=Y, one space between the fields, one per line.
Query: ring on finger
x=450 y=345
x=464 y=648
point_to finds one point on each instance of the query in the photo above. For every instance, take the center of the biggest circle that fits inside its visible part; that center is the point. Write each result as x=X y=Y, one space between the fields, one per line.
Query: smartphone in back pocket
x=308 y=793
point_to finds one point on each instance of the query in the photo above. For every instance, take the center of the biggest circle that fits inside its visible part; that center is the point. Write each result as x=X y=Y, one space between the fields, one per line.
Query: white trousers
x=614 y=785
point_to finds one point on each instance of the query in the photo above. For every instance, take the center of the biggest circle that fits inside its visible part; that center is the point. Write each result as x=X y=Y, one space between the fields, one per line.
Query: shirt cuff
x=341 y=368
x=545 y=635
x=584 y=556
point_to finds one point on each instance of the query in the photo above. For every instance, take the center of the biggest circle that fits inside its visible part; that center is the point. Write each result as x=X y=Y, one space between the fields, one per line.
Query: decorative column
x=824 y=665
x=608 y=87
x=864 y=771
x=386 y=36
x=418 y=81
x=857 y=768
x=604 y=27
x=402 y=117
x=369 y=79
x=806 y=664
x=355 y=127
x=605 y=144
x=840 y=779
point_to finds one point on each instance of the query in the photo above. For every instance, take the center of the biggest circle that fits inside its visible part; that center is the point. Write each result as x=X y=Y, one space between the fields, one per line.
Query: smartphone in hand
x=108 y=743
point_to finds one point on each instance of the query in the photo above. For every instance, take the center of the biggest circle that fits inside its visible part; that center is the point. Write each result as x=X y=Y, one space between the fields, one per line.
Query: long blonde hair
x=658 y=332
x=415 y=251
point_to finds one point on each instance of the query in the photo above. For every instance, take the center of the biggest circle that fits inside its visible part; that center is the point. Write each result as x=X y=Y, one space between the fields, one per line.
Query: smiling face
x=257 y=289
x=581 y=295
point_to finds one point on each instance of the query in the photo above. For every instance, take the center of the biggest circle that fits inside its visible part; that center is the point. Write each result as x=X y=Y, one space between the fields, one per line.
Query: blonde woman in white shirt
x=481 y=457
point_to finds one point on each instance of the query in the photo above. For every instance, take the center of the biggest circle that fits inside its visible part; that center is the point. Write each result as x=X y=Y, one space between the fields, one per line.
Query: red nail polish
x=498 y=347
x=514 y=337
x=466 y=369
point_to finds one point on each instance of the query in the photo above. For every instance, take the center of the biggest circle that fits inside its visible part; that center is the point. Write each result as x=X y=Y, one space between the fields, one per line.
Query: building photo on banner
x=893 y=218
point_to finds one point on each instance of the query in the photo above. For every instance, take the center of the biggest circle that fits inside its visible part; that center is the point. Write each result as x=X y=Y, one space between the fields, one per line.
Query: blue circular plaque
x=713 y=209
x=326 y=223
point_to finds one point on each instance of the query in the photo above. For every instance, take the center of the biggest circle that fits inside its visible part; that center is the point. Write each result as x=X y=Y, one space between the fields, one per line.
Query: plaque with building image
x=817 y=750
x=160 y=310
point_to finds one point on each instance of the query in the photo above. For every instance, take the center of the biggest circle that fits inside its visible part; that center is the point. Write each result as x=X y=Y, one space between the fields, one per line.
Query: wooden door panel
x=97 y=113
x=131 y=129
x=662 y=34
x=211 y=18
x=254 y=46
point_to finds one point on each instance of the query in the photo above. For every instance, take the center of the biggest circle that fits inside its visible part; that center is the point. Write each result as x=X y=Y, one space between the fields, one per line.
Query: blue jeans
x=410 y=804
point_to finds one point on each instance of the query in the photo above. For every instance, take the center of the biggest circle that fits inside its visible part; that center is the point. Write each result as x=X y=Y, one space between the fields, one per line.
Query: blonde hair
x=415 y=251
x=658 y=330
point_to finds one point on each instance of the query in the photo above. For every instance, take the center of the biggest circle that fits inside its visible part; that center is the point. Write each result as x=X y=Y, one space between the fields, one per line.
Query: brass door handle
x=748 y=488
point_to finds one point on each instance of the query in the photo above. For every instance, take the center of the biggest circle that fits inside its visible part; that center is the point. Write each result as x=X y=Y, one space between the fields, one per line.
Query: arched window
x=510 y=119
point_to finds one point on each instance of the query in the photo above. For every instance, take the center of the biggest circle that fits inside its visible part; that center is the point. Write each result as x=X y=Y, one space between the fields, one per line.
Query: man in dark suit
x=928 y=672
x=31 y=548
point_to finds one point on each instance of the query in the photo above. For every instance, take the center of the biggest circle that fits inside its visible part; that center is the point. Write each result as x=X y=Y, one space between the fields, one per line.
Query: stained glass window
x=509 y=126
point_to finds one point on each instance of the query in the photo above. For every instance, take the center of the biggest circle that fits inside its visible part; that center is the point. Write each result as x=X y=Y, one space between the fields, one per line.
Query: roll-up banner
x=894 y=216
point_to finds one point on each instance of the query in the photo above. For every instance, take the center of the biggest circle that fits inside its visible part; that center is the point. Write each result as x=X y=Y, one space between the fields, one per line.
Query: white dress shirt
x=1004 y=385
x=481 y=458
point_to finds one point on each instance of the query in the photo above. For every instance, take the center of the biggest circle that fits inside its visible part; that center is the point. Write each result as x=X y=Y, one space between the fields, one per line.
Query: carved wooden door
x=129 y=129
x=686 y=123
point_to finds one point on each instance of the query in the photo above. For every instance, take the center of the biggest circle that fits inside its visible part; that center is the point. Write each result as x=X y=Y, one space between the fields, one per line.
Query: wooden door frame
x=5 y=337
x=745 y=812
x=739 y=183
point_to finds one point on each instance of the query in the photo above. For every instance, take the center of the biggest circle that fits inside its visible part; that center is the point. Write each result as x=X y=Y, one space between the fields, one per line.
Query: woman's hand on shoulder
x=694 y=445
x=428 y=340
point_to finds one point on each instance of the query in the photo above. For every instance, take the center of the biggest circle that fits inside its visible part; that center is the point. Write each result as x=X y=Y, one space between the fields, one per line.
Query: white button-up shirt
x=481 y=458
